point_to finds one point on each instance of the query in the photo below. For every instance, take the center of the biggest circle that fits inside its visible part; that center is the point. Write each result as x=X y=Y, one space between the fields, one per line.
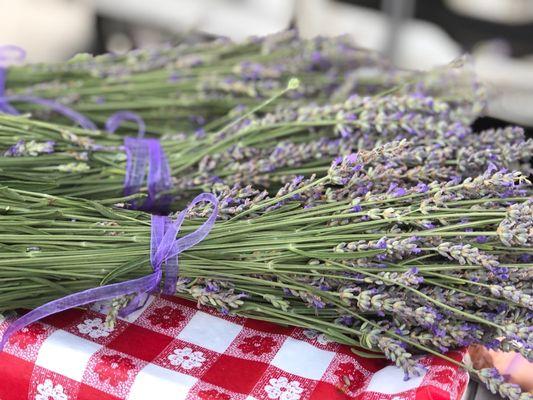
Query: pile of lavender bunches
x=192 y=87
x=271 y=150
x=428 y=269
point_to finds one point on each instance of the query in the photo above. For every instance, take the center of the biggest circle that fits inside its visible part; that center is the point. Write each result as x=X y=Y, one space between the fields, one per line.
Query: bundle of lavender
x=425 y=269
x=193 y=87
x=267 y=151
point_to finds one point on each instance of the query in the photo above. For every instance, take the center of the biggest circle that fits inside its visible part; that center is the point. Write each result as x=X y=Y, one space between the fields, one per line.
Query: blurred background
x=414 y=34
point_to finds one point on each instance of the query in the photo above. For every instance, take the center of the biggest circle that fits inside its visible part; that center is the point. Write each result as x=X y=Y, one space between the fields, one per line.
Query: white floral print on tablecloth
x=283 y=389
x=186 y=358
x=49 y=391
x=95 y=328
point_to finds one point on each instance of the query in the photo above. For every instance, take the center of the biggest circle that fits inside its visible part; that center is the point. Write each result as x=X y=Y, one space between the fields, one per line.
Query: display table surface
x=171 y=350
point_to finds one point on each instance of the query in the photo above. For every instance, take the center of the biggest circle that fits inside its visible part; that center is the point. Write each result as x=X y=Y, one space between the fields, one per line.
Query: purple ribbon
x=164 y=250
x=9 y=55
x=144 y=157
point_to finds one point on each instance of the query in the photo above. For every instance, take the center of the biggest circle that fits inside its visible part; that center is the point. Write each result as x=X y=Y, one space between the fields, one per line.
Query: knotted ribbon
x=144 y=157
x=9 y=55
x=165 y=249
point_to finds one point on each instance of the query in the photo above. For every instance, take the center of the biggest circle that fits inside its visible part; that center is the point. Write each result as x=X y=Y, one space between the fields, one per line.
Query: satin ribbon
x=165 y=249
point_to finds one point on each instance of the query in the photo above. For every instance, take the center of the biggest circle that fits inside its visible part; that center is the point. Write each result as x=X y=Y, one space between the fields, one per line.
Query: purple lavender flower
x=517 y=228
x=30 y=149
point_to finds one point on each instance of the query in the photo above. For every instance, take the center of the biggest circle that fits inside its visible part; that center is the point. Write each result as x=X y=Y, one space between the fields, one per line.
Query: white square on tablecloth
x=66 y=354
x=155 y=382
x=390 y=380
x=303 y=359
x=210 y=332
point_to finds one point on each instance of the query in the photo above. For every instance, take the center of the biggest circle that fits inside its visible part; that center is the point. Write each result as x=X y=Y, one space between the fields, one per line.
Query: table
x=172 y=349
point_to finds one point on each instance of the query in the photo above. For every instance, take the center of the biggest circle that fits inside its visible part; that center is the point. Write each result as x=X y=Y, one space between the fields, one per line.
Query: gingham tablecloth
x=171 y=350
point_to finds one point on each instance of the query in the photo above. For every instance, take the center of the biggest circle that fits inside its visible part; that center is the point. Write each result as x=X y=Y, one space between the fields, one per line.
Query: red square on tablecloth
x=268 y=327
x=140 y=342
x=347 y=375
x=87 y=392
x=325 y=390
x=14 y=380
x=236 y=374
x=205 y=391
x=65 y=319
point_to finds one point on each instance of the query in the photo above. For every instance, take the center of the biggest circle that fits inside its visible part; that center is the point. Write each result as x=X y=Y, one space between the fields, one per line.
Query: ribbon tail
x=144 y=284
x=75 y=116
x=7 y=108
x=171 y=276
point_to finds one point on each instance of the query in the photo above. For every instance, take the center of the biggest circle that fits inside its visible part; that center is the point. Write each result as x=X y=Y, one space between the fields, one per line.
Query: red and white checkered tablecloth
x=171 y=350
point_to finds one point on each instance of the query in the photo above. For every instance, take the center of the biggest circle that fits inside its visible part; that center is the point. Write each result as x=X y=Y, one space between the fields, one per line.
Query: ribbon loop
x=164 y=248
x=115 y=120
x=11 y=54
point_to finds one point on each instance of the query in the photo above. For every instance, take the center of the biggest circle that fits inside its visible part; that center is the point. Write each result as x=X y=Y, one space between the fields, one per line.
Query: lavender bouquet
x=193 y=87
x=425 y=269
x=185 y=86
x=269 y=150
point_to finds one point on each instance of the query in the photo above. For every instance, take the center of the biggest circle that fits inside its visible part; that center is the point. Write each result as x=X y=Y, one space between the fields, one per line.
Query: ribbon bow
x=165 y=249
x=9 y=55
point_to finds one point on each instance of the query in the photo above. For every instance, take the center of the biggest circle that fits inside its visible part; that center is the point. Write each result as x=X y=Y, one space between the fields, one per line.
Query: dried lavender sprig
x=497 y=385
x=511 y=293
x=394 y=350
x=517 y=229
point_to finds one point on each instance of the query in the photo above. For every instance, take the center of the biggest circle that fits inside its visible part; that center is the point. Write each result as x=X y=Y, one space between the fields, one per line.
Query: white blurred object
x=420 y=45
x=49 y=30
x=502 y=11
x=510 y=83
x=236 y=19
x=119 y=43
